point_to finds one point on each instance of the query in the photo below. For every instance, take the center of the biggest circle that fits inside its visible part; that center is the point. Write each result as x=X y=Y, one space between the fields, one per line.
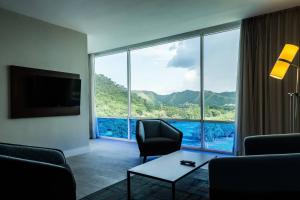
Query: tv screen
x=42 y=93
x=46 y=91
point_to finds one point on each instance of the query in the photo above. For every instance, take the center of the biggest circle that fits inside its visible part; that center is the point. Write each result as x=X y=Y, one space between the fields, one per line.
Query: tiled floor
x=104 y=165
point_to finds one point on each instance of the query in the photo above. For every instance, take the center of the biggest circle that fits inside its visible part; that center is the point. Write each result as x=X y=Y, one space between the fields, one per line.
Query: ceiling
x=115 y=23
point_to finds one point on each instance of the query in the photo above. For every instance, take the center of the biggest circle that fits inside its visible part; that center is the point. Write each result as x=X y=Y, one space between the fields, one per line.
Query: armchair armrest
x=272 y=144
x=254 y=177
x=140 y=131
x=28 y=179
x=41 y=154
x=169 y=131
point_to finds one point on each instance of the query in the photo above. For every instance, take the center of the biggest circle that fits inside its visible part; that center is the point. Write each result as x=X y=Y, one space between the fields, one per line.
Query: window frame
x=188 y=35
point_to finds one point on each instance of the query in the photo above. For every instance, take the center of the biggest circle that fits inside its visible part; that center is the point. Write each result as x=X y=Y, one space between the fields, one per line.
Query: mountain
x=111 y=100
x=188 y=97
x=148 y=96
x=219 y=99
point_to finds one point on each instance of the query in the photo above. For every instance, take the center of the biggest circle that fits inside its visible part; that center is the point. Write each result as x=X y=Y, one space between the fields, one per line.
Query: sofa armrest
x=254 y=177
x=41 y=154
x=169 y=131
x=28 y=179
x=272 y=144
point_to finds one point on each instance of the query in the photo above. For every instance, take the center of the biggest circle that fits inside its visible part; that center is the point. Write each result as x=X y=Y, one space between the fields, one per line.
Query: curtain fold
x=92 y=117
x=263 y=102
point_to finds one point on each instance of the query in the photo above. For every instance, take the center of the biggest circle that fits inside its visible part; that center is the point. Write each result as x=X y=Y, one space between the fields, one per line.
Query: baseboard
x=77 y=151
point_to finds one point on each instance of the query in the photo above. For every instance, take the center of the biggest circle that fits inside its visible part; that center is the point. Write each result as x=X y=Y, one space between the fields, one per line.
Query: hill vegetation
x=112 y=101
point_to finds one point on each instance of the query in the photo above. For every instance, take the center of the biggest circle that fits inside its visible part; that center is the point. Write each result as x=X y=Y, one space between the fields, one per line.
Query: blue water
x=217 y=135
x=112 y=127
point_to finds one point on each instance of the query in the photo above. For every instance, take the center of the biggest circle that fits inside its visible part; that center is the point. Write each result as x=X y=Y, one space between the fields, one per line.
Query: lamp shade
x=288 y=52
x=279 y=69
x=286 y=57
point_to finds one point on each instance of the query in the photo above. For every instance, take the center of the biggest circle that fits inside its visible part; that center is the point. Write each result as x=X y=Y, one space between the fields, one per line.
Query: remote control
x=187 y=163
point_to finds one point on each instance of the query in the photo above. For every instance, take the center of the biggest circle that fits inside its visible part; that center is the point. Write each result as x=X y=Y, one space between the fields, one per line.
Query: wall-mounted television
x=43 y=93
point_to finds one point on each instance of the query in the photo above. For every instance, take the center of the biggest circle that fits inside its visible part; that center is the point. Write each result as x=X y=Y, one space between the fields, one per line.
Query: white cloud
x=190 y=75
x=187 y=54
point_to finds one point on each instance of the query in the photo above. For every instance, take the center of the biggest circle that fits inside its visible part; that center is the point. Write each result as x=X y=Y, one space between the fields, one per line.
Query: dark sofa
x=269 y=170
x=35 y=173
x=157 y=137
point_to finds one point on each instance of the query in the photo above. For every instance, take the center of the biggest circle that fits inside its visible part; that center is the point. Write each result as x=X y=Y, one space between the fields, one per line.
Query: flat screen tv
x=43 y=93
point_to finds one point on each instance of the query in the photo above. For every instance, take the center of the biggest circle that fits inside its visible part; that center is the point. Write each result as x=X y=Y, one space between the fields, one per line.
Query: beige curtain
x=92 y=117
x=263 y=102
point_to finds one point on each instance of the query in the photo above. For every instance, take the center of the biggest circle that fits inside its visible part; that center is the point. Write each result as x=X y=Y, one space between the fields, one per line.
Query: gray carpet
x=104 y=165
x=191 y=187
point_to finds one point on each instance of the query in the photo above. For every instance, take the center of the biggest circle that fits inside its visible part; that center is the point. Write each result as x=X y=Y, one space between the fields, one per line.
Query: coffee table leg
x=173 y=191
x=128 y=185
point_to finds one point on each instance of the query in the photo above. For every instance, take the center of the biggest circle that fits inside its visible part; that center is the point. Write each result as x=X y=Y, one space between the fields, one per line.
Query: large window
x=165 y=83
x=188 y=83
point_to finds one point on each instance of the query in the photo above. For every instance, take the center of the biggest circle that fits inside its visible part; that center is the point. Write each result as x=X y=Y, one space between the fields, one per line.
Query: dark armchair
x=270 y=170
x=35 y=173
x=157 y=137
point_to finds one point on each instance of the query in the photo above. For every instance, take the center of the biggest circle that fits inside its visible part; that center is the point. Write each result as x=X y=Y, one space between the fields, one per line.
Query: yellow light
x=288 y=52
x=279 y=69
x=286 y=57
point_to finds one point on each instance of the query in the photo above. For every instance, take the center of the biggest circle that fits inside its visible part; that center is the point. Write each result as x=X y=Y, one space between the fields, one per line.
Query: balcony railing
x=218 y=135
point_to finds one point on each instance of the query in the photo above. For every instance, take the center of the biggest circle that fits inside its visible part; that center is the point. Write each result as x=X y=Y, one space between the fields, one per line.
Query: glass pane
x=111 y=95
x=191 y=130
x=133 y=129
x=165 y=82
x=112 y=127
x=219 y=135
x=220 y=75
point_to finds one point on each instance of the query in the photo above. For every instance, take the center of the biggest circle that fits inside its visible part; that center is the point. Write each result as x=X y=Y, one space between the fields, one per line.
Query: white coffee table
x=168 y=168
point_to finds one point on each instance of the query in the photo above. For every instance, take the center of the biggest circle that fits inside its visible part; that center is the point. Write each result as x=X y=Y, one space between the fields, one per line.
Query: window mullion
x=129 y=93
x=202 y=92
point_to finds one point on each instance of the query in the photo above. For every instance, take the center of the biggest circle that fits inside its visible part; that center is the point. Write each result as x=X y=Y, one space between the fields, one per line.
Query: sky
x=175 y=66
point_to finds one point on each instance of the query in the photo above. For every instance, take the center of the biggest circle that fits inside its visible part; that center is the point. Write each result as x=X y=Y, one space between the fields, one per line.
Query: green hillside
x=112 y=100
x=188 y=97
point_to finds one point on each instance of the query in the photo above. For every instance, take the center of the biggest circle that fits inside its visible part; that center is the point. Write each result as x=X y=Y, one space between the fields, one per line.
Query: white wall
x=29 y=42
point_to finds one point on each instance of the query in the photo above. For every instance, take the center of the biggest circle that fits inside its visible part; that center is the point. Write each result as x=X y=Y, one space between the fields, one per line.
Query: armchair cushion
x=159 y=145
x=152 y=128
